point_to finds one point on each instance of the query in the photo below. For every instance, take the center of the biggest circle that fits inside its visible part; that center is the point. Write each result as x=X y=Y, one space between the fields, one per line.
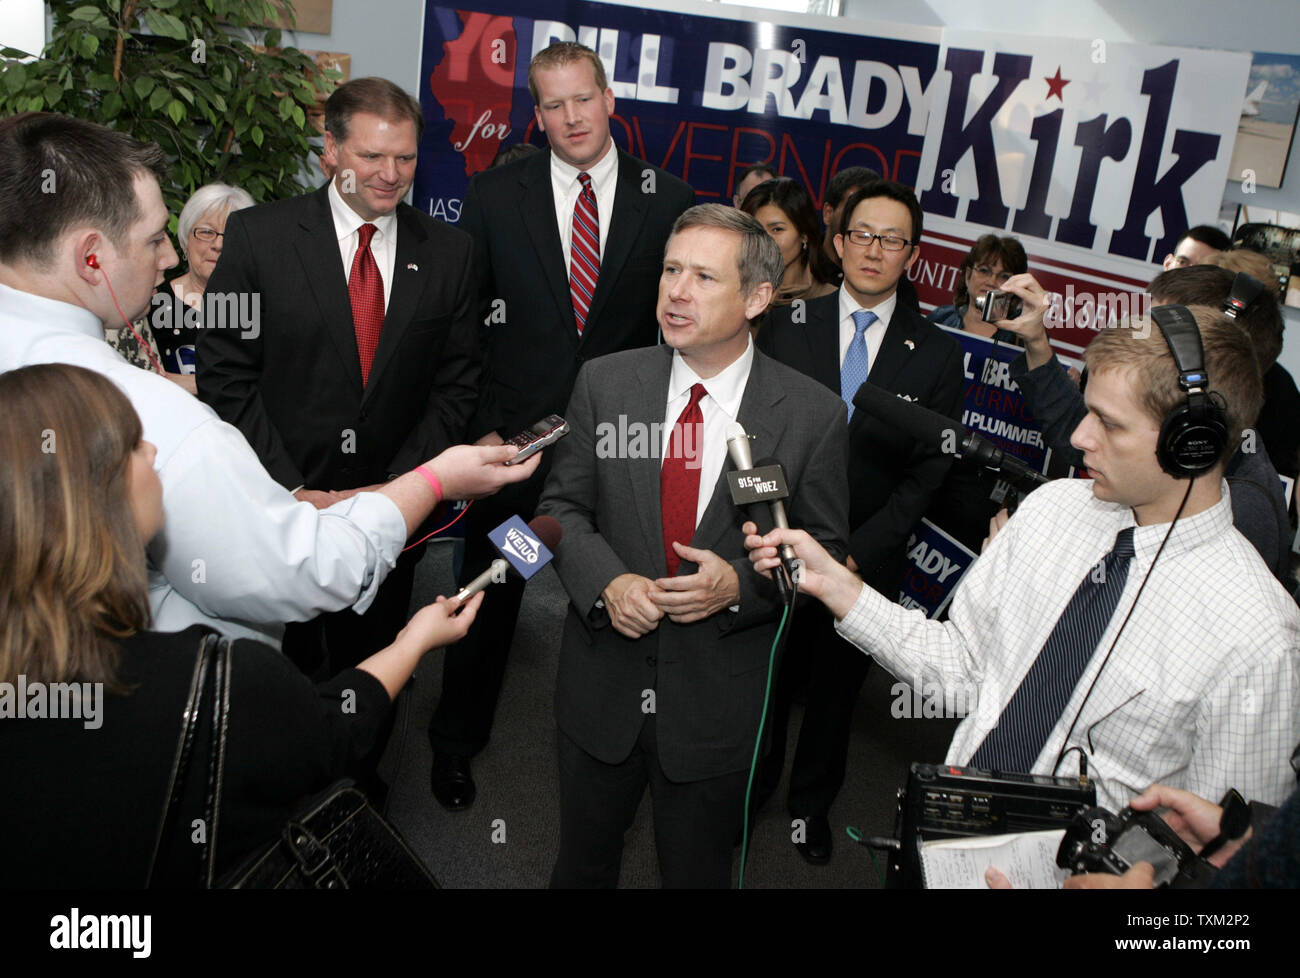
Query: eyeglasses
x=206 y=233
x=987 y=272
x=890 y=242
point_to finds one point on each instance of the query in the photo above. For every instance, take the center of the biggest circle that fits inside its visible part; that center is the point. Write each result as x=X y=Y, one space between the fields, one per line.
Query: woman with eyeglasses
x=86 y=776
x=987 y=266
x=163 y=339
x=177 y=313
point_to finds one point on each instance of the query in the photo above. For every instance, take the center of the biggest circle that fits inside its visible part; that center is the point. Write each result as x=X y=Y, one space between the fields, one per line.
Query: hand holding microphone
x=522 y=552
x=817 y=572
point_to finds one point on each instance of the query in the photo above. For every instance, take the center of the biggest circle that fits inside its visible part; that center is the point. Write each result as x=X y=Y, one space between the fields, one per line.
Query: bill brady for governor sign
x=1096 y=154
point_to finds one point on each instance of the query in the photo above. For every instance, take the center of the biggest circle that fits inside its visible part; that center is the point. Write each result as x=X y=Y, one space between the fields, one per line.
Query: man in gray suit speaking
x=666 y=647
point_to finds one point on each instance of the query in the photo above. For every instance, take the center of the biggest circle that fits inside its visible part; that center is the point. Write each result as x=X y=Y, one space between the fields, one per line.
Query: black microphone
x=933 y=429
x=522 y=555
x=743 y=461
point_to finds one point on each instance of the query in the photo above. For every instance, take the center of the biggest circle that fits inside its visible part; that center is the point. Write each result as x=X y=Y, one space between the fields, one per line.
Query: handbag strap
x=217 y=757
x=184 y=748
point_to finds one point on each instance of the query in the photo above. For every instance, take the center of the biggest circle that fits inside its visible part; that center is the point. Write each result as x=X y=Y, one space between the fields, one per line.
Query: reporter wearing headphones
x=1119 y=625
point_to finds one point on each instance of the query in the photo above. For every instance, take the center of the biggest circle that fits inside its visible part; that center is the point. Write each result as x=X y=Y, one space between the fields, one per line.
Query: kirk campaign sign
x=1096 y=155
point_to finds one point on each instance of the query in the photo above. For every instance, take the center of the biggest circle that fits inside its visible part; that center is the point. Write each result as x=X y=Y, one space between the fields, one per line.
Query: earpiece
x=92 y=260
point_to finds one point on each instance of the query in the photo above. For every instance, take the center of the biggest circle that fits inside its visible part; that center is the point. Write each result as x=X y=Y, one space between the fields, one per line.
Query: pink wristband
x=432 y=479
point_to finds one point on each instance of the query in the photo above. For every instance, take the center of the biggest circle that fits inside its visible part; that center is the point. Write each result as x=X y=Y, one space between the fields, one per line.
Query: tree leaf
x=256 y=135
x=176 y=110
x=159 y=98
x=86 y=13
x=143 y=86
x=111 y=106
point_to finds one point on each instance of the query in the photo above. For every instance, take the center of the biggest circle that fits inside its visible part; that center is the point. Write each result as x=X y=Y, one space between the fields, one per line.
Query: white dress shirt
x=237 y=551
x=874 y=334
x=383 y=244
x=719 y=406
x=566 y=186
x=1202 y=690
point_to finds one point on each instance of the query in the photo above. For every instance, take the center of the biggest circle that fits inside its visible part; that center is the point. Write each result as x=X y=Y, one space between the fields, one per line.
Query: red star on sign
x=1056 y=85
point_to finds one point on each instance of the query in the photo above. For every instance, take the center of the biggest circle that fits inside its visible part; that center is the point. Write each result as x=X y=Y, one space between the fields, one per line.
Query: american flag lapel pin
x=909 y=344
x=413 y=267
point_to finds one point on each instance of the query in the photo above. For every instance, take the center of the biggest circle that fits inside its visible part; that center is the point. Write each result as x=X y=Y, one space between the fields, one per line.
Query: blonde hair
x=74 y=571
x=1138 y=345
x=562 y=53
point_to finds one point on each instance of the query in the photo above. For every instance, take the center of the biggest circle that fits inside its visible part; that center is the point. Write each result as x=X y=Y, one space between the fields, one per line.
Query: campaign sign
x=994 y=406
x=935 y=563
x=519 y=545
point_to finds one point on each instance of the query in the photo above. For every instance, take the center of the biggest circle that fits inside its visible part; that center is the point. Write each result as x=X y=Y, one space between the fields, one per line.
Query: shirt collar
x=726 y=388
x=52 y=314
x=565 y=175
x=884 y=310
x=346 y=220
x=1189 y=532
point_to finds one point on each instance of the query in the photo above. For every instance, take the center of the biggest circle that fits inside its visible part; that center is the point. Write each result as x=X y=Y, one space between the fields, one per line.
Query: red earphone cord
x=93 y=262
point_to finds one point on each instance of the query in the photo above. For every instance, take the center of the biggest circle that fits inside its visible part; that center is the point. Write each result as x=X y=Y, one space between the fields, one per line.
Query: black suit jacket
x=892 y=478
x=708 y=677
x=295 y=390
x=532 y=350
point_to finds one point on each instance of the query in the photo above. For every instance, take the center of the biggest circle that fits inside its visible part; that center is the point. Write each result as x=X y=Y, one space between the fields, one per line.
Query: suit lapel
x=652 y=398
x=630 y=209
x=756 y=416
x=537 y=214
x=822 y=334
x=894 y=351
x=404 y=294
x=317 y=246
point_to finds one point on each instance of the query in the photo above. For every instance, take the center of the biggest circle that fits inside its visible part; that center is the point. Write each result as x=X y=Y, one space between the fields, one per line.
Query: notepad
x=1027 y=859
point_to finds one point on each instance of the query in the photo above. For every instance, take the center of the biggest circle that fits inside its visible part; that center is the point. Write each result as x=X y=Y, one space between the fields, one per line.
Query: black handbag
x=334 y=841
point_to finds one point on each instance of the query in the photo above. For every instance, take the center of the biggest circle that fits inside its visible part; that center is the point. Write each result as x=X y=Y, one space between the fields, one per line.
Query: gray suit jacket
x=708 y=677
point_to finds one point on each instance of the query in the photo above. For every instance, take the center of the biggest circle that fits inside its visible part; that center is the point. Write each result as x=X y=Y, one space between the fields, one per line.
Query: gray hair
x=759 y=257
x=219 y=197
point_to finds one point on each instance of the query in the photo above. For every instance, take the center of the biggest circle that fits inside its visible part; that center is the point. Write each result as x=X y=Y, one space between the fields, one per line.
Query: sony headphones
x=1193 y=435
x=1244 y=290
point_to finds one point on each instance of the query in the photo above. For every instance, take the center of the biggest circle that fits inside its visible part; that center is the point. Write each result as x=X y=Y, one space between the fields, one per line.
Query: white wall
x=384 y=38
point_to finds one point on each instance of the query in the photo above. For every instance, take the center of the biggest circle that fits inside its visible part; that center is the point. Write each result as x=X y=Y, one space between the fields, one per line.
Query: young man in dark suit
x=862 y=332
x=568 y=246
x=666 y=647
x=365 y=359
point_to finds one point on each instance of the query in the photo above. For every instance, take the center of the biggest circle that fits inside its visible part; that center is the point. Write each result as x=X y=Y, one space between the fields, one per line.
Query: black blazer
x=708 y=677
x=294 y=389
x=892 y=479
x=531 y=346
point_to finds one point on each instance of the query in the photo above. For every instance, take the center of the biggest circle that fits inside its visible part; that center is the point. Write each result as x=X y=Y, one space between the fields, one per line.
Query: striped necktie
x=584 y=261
x=1022 y=730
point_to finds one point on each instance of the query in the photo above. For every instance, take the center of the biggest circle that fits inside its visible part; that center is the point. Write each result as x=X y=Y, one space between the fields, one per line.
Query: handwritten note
x=1027 y=859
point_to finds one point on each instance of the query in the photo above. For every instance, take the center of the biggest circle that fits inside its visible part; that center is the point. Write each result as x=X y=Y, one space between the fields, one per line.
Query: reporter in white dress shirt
x=83 y=242
x=1201 y=691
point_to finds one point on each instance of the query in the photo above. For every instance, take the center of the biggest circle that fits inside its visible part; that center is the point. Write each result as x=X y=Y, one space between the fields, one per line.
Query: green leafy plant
x=194 y=84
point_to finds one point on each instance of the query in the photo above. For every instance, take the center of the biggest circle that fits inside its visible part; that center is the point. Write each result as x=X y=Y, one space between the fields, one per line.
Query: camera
x=1098 y=841
x=996 y=305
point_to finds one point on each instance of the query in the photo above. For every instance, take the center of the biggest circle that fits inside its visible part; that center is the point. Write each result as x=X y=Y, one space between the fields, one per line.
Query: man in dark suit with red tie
x=365 y=359
x=568 y=247
x=862 y=332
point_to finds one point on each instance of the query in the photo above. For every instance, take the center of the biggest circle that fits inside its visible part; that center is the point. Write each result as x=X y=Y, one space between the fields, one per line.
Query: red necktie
x=584 y=260
x=679 y=479
x=366 y=290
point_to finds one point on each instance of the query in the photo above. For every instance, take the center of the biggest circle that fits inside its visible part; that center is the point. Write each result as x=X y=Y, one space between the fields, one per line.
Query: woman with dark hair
x=786 y=211
x=91 y=701
x=991 y=261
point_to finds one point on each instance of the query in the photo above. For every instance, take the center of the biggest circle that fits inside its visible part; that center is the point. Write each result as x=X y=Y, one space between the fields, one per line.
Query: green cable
x=758 y=742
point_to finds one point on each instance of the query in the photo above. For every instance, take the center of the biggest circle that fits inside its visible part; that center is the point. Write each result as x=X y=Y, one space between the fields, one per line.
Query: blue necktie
x=854 y=372
x=1027 y=720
